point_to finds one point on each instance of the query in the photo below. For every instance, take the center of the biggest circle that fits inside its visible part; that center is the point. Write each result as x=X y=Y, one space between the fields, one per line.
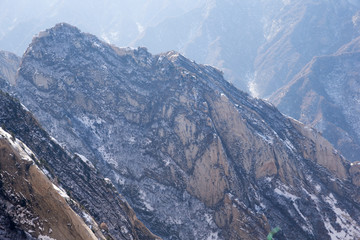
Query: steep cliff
x=194 y=156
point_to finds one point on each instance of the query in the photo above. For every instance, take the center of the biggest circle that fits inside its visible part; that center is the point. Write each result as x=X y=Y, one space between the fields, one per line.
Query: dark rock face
x=83 y=182
x=194 y=156
x=325 y=95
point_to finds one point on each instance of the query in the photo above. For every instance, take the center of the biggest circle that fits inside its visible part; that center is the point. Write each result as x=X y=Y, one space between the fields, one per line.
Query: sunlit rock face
x=195 y=157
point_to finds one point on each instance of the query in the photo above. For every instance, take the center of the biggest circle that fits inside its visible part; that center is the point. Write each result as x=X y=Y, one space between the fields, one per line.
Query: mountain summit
x=195 y=157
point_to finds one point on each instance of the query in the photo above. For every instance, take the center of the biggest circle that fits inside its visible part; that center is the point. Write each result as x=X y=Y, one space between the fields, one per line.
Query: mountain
x=260 y=45
x=194 y=156
x=91 y=196
x=325 y=95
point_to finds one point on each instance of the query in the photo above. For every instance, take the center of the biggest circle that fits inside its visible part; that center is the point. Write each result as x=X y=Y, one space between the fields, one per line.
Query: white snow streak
x=349 y=228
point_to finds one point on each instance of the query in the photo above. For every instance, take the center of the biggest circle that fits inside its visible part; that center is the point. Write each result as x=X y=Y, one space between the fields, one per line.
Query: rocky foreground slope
x=29 y=203
x=195 y=157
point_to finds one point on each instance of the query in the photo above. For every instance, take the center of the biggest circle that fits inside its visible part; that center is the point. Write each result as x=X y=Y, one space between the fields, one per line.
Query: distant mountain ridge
x=194 y=156
x=325 y=95
x=260 y=45
x=302 y=30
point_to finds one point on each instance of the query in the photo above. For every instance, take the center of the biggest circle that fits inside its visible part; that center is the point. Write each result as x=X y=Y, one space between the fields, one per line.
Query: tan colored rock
x=355 y=173
x=321 y=151
x=104 y=227
x=234 y=217
x=185 y=129
x=208 y=181
x=54 y=216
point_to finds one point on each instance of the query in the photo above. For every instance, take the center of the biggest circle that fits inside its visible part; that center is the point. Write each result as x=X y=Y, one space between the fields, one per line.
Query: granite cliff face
x=194 y=156
x=91 y=196
x=325 y=95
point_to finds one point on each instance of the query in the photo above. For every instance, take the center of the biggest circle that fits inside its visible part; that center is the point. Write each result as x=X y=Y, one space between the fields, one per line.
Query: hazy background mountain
x=326 y=96
x=225 y=34
x=301 y=30
x=118 y=22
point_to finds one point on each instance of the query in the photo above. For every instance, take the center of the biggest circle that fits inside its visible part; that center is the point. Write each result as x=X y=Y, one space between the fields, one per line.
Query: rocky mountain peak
x=60 y=31
x=194 y=156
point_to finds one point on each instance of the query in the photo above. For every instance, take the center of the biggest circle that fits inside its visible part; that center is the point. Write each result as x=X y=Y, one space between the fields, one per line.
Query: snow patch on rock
x=349 y=228
x=62 y=192
x=85 y=160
